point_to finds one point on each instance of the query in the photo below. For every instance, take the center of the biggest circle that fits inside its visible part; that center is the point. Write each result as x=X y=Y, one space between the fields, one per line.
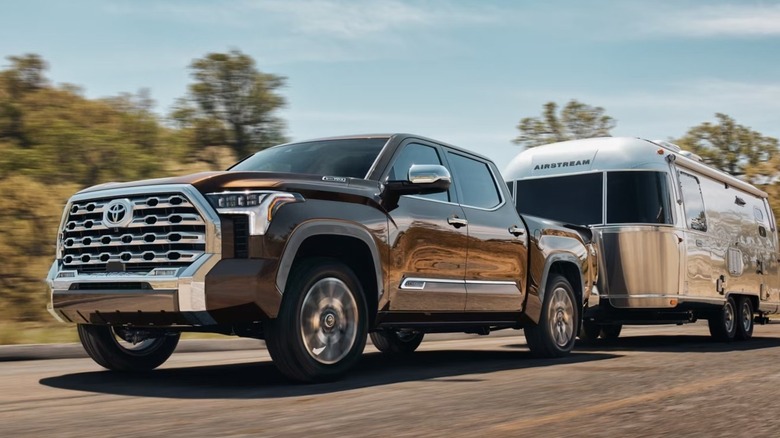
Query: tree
x=230 y=93
x=576 y=120
x=732 y=147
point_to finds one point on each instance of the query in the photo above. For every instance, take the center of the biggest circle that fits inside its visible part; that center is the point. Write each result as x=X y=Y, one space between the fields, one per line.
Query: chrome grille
x=166 y=230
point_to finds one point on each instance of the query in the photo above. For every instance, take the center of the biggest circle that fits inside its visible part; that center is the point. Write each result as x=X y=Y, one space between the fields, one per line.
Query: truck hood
x=310 y=186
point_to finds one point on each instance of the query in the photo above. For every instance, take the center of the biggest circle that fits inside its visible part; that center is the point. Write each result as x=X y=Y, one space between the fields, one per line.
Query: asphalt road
x=654 y=381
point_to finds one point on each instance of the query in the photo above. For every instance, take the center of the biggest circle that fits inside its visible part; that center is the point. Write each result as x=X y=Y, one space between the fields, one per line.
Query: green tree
x=232 y=101
x=576 y=120
x=732 y=147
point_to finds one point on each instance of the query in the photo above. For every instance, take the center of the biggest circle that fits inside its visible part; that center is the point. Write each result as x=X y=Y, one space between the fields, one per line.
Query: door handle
x=457 y=222
x=516 y=231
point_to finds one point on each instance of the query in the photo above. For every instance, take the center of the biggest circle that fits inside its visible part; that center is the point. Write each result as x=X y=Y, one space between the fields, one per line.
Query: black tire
x=397 y=341
x=323 y=304
x=590 y=332
x=723 y=324
x=556 y=332
x=744 y=318
x=109 y=350
x=611 y=331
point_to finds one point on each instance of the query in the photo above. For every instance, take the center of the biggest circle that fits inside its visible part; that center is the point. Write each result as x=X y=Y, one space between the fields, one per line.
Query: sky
x=463 y=72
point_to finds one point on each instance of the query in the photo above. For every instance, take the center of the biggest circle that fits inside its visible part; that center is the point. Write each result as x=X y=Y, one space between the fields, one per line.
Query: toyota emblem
x=118 y=213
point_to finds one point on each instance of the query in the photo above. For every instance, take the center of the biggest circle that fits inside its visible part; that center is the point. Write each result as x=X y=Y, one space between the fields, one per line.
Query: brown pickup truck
x=314 y=246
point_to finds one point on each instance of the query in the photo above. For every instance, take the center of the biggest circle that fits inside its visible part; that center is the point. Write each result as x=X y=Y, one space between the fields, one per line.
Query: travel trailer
x=678 y=240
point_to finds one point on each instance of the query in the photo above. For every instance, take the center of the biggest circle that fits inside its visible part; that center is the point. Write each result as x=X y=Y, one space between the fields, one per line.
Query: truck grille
x=166 y=230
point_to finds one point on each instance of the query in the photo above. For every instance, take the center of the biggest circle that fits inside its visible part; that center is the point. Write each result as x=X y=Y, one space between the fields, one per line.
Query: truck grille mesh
x=166 y=230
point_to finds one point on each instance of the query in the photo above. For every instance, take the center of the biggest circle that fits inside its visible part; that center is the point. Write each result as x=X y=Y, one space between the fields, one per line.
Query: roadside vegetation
x=54 y=141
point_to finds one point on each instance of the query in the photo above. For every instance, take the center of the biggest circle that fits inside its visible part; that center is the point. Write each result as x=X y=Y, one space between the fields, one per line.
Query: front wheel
x=723 y=324
x=556 y=332
x=320 y=331
x=397 y=341
x=127 y=349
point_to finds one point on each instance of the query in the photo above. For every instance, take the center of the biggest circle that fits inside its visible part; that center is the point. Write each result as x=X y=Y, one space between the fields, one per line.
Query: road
x=653 y=381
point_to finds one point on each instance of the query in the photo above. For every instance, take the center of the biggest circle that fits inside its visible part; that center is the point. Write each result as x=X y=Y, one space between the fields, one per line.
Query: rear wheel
x=723 y=325
x=556 y=332
x=397 y=341
x=744 y=318
x=611 y=331
x=320 y=331
x=127 y=349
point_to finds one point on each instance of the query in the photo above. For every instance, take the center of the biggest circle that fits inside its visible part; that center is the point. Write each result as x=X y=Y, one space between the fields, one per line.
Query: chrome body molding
x=417 y=283
x=75 y=294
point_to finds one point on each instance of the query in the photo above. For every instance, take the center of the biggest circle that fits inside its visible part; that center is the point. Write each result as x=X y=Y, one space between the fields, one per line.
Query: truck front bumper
x=163 y=296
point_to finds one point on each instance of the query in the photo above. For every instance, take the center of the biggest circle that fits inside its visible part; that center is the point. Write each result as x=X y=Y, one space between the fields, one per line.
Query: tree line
x=55 y=141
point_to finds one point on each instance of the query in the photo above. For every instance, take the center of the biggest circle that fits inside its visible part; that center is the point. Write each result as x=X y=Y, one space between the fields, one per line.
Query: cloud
x=722 y=20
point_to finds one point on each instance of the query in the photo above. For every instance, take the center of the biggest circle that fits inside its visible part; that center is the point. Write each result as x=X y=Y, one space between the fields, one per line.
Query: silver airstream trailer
x=678 y=240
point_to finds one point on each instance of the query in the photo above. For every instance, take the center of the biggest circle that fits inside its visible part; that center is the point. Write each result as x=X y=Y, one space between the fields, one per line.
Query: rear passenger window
x=693 y=201
x=475 y=181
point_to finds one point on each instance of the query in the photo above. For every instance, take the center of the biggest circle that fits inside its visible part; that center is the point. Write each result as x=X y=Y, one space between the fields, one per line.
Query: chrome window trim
x=496 y=186
x=381 y=153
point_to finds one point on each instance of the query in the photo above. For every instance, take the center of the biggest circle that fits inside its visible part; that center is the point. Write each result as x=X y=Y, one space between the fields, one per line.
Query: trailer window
x=694 y=202
x=639 y=197
x=574 y=199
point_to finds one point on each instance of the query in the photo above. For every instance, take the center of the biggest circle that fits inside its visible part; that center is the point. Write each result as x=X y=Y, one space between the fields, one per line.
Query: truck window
x=640 y=197
x=415 y=153
x=693 y=201
x=573 y=199
x=475 y=181
x=340 y=157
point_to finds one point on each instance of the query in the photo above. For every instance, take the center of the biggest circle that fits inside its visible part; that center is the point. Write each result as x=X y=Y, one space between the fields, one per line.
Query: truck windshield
x=340 y=157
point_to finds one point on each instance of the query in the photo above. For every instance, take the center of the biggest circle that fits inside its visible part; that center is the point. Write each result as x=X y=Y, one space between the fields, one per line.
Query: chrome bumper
x=74 y=296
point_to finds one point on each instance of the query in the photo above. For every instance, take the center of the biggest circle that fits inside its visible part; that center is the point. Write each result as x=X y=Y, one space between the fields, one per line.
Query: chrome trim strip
x=381 y=153
x=405 y=283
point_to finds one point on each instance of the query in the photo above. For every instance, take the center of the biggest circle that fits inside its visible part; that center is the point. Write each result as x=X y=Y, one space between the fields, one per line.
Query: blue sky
x=464 y=72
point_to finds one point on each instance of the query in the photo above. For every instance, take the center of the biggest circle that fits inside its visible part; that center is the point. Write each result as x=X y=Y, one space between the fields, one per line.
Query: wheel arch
x=347 y=242
x=566 y=265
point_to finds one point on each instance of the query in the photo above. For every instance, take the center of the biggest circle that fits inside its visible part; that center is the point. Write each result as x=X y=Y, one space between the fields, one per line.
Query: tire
x=556 y=332
x=590 y=332
x=397 y=341
x=108 y=349
x=723 y=324
x=744 y=319
x=321 y=329
x=611 y=331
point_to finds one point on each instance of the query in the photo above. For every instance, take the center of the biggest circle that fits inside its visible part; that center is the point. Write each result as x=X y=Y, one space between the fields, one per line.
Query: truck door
x=497 y=249
x=427 y=242
x=698 y=281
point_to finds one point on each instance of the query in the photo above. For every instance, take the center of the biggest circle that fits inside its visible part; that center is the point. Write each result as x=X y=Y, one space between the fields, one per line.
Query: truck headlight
x=260 y=206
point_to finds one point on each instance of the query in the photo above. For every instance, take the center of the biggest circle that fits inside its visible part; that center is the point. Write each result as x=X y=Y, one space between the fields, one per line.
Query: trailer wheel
x=723 y=324
x=611 y=331
x=321 y=328
x=124 y=349
x=397 y=341
x=744 y=318
x=556 y=332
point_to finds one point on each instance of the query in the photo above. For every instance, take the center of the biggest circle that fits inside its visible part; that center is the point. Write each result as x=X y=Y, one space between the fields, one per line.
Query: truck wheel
x=590 y=332
x=744 y=319
x=723 y=325
x=122 y=349
x=556 y=331
x=397 y=341
x=320 y=331
x=611 y=331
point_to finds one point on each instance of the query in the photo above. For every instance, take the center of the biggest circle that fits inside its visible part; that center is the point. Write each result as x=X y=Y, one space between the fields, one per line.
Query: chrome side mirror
x=429 y=174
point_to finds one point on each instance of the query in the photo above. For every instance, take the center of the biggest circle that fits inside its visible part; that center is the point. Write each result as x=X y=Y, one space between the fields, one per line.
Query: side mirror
x=422 y=179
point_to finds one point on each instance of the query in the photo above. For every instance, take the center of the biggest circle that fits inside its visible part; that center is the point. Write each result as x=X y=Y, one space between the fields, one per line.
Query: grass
x=14 y=333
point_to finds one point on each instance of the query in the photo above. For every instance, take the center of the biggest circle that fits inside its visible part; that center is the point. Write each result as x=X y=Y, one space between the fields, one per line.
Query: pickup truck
x=314 y=246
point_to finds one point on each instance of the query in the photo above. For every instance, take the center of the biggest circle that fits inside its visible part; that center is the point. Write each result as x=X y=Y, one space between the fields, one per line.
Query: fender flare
x=552 y=259
x=326 y=228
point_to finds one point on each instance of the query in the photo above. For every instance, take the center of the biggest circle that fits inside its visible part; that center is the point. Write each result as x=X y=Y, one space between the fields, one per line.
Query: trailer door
x=698 y=281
